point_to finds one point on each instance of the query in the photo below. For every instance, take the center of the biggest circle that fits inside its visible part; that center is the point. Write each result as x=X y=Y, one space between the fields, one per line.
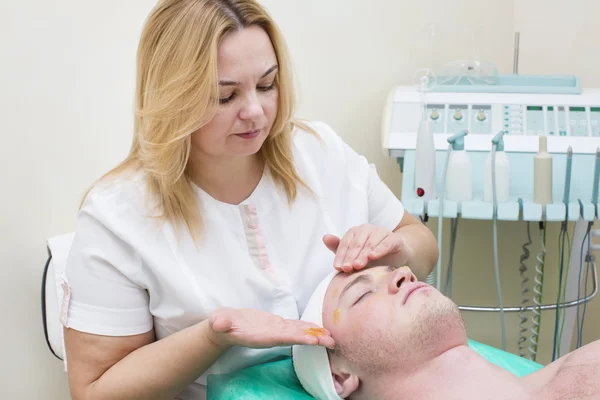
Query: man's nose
x=252 y=107
x=399 y=277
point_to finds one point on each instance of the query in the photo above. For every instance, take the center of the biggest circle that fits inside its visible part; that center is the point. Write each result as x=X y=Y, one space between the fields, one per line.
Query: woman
x=196 y=255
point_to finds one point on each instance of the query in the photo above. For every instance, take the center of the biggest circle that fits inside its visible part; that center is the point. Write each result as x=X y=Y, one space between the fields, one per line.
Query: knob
x=481 y=116
x=458 y=115
x=434 y=115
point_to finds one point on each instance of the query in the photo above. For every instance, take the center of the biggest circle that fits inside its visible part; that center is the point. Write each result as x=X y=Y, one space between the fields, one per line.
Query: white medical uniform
x=128 y=273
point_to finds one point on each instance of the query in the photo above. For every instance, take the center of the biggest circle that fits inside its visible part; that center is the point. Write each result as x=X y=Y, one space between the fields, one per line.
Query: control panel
x=514 y=119
x=519 y=115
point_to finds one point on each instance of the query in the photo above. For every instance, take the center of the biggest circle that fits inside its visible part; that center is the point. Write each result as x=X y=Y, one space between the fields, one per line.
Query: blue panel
x=555 y=212
x=521 y=187
x=509 y=211
x=588 y=211
x=574 y=211
x=450 y=208
x=417 y=207
x=532 y=211
x=477 y=210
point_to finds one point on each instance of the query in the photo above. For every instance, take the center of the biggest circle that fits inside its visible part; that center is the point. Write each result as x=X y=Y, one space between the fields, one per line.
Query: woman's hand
x=259 y=329
x=366 y=243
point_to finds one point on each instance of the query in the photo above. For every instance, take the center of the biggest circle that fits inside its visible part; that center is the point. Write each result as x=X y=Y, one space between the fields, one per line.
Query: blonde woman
x=198 y=253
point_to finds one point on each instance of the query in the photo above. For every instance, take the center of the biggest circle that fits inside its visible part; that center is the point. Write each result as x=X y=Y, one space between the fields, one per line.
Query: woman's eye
x=361 y=298
x=266 y=88
x=226 y=99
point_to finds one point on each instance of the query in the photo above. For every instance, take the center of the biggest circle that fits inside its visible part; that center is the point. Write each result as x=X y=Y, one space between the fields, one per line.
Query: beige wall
x=67 y=79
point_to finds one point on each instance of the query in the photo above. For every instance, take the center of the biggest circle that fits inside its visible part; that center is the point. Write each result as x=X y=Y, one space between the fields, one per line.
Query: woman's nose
x=252 y=108
x=399 y=277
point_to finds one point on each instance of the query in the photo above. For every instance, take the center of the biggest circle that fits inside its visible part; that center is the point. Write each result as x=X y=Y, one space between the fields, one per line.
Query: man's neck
x=229 y=180
x=458 y=373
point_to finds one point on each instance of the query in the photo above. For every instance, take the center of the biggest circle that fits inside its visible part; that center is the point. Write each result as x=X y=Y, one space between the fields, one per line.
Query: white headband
x=311 y=363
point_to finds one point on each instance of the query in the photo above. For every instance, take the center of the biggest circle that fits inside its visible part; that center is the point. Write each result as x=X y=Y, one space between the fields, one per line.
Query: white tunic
x=129 y=273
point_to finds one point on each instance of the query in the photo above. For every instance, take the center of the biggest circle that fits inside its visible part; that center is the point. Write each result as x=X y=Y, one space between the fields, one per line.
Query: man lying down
x=397 y=338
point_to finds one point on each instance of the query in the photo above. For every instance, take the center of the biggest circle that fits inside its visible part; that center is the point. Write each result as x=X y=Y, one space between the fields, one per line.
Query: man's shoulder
x=574 y=375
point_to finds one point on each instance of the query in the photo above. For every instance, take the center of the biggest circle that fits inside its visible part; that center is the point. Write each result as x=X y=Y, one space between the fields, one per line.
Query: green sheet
x=277 y=380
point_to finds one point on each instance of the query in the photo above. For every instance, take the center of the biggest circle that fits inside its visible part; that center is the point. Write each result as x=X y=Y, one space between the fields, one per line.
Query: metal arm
x=545 y=306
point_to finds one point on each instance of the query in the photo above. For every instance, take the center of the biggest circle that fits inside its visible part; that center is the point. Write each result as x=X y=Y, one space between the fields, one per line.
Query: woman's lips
x=249 y=135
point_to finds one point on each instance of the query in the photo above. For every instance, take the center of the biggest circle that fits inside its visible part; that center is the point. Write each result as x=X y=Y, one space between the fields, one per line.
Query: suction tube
x=438 y=268
x=450 y=267
x=566 y=196
x=495 y=142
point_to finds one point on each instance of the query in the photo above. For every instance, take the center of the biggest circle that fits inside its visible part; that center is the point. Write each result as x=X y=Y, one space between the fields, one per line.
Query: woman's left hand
x=366 y=243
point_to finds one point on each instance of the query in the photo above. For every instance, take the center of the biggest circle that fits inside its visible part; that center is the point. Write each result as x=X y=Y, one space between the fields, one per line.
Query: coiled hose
x=538 y=286
x=524 y=290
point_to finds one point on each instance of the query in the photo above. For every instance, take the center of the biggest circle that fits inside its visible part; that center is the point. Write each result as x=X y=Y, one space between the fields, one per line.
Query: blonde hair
x=177 y=93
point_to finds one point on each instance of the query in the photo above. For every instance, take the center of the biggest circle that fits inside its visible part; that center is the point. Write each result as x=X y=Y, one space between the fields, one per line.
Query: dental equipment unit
x=541 y=135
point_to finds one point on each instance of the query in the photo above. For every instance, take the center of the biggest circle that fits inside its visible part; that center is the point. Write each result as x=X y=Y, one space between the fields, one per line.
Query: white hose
x=436 y=276
x=496 y=263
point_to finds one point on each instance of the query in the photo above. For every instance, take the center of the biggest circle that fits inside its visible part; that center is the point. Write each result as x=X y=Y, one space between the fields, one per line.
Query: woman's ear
x=345 y=383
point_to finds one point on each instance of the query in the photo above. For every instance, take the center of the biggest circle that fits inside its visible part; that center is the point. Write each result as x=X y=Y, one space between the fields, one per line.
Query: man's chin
x=439 y=325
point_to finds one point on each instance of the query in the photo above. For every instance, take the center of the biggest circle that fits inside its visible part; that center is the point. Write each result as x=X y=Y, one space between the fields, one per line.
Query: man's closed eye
x=362 y=297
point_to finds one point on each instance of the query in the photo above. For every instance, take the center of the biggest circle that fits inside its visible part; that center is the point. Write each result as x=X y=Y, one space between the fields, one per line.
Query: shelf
x=508 y=211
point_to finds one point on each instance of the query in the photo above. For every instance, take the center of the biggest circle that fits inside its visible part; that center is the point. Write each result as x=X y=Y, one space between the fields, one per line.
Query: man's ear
x=345 y=382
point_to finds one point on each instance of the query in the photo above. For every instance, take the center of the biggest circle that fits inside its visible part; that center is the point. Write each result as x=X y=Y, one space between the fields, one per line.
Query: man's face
x=383 y=318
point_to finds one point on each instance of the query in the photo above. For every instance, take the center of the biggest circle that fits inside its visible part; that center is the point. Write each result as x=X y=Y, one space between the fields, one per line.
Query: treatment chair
x=58 y=248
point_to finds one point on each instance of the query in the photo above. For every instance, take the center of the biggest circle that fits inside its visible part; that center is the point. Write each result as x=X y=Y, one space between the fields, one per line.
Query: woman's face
x=247 y=67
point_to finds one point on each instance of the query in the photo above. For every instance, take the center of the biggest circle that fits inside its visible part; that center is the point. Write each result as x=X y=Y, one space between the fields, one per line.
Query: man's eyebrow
x=364 y=278
x=234 y=83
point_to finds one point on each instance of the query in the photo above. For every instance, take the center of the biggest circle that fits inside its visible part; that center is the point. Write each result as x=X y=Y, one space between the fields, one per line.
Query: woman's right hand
x=259 y=329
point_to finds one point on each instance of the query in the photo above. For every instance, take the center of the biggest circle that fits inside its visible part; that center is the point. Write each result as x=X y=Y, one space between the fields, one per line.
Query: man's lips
x=413 y=288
